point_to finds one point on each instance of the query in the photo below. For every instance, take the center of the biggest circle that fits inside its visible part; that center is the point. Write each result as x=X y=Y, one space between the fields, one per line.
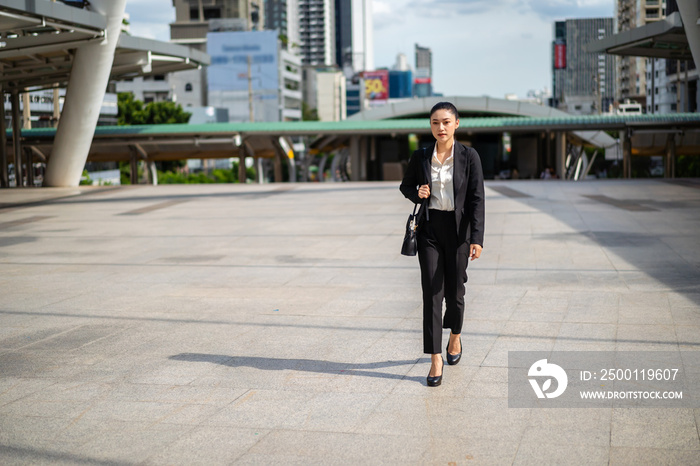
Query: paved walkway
x=277 y=324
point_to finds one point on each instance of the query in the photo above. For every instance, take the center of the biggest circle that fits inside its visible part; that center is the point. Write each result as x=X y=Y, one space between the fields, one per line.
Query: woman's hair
x=445 y=106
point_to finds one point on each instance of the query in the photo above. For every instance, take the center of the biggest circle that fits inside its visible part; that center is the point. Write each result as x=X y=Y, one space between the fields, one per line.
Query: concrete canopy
x=40 y=39
x=665 y=38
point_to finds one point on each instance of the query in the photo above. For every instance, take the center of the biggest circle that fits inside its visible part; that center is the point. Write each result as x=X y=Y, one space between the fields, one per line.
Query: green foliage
x=688 y=166
x=85 y=179
x=134 y=112
x=218 y=175
x=125 y=172
x=308 y=114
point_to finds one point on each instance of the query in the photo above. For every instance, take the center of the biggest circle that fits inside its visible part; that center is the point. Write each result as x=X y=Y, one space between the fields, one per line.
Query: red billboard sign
x=421 y=81
x=377 y=86
x=559 y=56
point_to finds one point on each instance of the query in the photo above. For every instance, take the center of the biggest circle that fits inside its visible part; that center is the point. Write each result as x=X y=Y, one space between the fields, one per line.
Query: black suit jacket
x=468 y=180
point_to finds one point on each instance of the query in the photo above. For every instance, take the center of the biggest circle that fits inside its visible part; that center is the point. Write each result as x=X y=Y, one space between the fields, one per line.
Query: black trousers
x=443 y=267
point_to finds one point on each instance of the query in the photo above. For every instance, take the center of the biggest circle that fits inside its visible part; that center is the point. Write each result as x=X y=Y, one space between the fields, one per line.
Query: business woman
x=447 y=179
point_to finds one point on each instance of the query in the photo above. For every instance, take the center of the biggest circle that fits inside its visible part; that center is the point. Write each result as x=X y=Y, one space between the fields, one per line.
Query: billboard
x=377 y=86
x=559 y=56
x=229 y=53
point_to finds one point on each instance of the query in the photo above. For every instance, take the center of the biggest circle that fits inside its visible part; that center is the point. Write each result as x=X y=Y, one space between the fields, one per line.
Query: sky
x=480 y=47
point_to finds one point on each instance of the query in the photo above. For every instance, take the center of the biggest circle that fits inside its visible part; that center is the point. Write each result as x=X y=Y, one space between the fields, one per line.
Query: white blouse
x=442 y=194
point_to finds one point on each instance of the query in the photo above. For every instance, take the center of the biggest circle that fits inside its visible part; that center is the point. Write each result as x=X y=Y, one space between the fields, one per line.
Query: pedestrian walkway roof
x=665 y=38
x=165 y=142
x=407 y=126
x=39 y=39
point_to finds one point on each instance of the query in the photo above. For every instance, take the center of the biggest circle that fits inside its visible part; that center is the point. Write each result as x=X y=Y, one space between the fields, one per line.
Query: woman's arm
x=475 y=199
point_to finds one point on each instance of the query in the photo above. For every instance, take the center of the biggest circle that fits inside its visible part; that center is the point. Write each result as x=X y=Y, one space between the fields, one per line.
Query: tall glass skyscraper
x=583 y=82
x=317 y=32
x=354 y=44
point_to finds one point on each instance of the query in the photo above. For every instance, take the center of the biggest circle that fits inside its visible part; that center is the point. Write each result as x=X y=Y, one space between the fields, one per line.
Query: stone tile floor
x=278 y=324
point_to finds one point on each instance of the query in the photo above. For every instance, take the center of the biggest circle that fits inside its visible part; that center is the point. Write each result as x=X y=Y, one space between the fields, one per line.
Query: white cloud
x=151 y=18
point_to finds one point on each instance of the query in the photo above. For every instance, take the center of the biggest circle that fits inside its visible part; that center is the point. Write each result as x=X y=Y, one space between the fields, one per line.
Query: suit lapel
x=427 y=158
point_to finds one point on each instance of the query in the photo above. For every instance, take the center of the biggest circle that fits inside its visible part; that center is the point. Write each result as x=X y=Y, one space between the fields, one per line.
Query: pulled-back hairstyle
x=445 y=106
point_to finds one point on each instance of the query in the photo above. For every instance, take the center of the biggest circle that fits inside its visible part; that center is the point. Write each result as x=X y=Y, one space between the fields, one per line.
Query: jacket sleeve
x=476 y=200
x=412 y=179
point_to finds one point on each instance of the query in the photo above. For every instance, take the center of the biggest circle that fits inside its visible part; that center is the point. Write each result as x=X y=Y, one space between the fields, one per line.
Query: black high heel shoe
x=436 y=381
x=453 y=359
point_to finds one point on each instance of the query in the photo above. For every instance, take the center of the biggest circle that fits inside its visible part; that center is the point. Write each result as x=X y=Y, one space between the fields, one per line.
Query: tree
x=133 y=112
x=307 y=113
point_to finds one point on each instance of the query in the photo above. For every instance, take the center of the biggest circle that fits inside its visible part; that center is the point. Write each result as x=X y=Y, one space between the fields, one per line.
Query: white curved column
x=86 y=89
x=690 y=15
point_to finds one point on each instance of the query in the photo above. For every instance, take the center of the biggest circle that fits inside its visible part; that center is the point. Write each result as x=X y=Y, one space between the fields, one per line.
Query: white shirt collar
x=452 y=153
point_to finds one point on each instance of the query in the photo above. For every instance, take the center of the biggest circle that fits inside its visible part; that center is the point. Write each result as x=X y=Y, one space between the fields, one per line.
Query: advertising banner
x=229 y=60
x=377 y=86
x=559 y=56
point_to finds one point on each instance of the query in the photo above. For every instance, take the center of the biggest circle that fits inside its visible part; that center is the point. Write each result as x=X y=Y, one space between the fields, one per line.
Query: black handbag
x=410 y=242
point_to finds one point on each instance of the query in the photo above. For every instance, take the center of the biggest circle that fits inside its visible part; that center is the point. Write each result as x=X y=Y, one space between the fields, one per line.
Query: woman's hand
x=474 y=251
x=424 y=191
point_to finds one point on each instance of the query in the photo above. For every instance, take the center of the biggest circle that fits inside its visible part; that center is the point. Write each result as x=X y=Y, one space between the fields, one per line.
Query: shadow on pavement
x=25 y=455
x=304 y=365
x=679 y=274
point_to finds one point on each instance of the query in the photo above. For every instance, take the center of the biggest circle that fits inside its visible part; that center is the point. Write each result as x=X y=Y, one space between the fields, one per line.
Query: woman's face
x=443 y=124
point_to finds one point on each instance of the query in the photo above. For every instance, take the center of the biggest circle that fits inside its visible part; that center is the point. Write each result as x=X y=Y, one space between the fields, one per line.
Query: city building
x=193 y=21
x=148 y=88
x=400 y=84
x=401 y=63
x=583 y=83
x=325 y=91
x=423 y=84
x=317 y=32
x=283 y=16
x=355 y=95
x=354 y=44
x=250 y=69
x=631 y=71
x=43 y=110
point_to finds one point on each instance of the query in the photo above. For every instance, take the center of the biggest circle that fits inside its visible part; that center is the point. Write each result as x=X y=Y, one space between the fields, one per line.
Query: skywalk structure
x=675 y=38
x=49 y=44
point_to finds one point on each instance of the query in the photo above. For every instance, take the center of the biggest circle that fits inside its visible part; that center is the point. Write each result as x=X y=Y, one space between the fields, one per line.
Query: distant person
x=447 y=180
x=546 y=174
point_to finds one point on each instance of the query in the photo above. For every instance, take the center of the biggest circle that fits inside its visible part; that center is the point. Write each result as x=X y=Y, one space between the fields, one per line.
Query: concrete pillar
x=627 y=155
x=241 y=165
x=134 y=168
x=26 y=111
x=690 y=14
x=29 y=165
x=277 y=161
x=4 y=175
x=81 y=109
x=560 y=154
x=152 y=172
x=670 y=168
x=259 y=170
x=322 y=168
x=17 y=138
x=364 y=155
x=56 y=106
x=355 y=158
x=289 y=157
